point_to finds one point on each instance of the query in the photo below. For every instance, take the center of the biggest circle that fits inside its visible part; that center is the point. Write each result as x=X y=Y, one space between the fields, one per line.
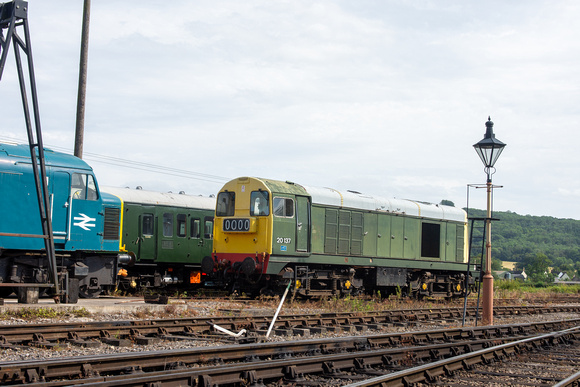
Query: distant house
x=511 y=275
x=520 y=275
x=562 y=277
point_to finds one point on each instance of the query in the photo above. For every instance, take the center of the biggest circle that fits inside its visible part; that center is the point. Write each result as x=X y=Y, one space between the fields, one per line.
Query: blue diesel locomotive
x=86 y=225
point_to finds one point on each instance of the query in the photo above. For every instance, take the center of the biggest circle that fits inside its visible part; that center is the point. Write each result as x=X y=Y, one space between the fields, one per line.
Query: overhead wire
x=138 y=165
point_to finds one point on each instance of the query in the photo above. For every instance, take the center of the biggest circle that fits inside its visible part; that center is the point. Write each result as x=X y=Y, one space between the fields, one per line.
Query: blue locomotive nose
x=85 y=222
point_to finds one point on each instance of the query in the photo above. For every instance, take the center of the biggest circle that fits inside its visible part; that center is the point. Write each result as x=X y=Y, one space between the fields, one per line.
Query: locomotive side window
x=284 y=207
x=83 y=187
x=259 y=204
x=147 y=225
x=226 y=204
x=167 y=225
x=208 y=228
x=431 y=240
x=195 y=228
x=181 y=220
x=91 y=188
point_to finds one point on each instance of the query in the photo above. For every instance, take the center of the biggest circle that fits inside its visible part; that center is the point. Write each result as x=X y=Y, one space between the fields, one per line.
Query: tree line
x=542 y=245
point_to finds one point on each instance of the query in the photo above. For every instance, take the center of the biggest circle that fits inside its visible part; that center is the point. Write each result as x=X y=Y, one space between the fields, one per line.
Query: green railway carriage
x=166 y=235
x=332 y=242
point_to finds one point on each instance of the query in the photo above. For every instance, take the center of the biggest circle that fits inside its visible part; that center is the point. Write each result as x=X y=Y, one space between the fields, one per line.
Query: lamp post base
x=487 y=315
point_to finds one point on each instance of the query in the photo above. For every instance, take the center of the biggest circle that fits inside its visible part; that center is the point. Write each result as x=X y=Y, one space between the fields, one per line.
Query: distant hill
x=518 y=238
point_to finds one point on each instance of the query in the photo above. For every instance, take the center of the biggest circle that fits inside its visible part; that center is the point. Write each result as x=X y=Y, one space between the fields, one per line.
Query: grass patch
x=531 y=291
x=535 y=287
x=354 y=304
x=169 y=311
x=43 y=313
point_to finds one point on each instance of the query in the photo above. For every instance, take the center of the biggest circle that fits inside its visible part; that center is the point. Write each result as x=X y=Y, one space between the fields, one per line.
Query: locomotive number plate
x=237 y=225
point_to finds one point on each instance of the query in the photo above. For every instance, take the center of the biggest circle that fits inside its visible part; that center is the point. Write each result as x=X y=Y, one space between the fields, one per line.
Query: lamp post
x=488 y=150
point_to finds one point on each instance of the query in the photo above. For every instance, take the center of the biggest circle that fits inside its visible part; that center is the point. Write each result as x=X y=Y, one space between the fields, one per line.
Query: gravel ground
x=206 y=308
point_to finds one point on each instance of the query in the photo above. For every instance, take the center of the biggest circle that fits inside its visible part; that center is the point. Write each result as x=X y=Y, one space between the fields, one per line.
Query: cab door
x=59 y=205
x=86 y=214
x=284 y=223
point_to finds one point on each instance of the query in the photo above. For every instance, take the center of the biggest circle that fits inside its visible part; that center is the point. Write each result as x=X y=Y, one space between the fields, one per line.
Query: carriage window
x=259 y=205
x=226 y=204
x=181 y=220
x=83 y=187
x=284 y=207
x=147 y=228
x=195 y=228
x=430 y=240
x=208 y=228
x=167 y=225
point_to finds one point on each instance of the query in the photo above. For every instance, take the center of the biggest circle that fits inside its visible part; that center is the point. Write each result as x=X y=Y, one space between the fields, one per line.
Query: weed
x=43 y=313
x=178 y=295
x=398 y=292
x=80 y=312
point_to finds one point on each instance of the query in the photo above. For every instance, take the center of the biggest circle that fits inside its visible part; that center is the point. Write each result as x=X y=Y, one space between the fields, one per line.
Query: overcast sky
x=383 y=97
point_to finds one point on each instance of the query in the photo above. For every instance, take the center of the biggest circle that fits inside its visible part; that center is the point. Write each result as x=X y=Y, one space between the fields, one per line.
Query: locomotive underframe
x=315 y=280
x=321 y=280
x=172 y=276
x=84 y=274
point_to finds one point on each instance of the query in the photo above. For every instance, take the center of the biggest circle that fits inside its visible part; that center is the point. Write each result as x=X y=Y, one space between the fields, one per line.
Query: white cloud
x=385 y=98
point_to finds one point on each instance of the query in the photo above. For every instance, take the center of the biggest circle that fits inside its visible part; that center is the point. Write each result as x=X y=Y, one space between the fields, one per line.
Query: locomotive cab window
x=167 y=225
x=284 y=207
x=147 y=224
x=83 y=187
x=181 y=220
x=226 y=204
x=259 y=203
x=195 y=228
x=431 y=240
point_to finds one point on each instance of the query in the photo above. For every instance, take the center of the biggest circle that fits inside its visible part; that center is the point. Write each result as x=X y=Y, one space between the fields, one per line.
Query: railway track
x=533 y=299
x=143 y=332
x=334 y=361
x=544 y=360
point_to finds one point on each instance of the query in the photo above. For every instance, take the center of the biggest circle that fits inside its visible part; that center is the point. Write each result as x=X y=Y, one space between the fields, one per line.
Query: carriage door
x=59 y=206
x=302 y=223
x=147 y=249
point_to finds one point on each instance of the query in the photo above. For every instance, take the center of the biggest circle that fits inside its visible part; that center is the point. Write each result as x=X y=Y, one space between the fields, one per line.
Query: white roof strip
x=348 y=199
x=140 y=196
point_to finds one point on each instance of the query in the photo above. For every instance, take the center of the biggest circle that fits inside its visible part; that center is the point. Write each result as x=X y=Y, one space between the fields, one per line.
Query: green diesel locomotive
x=328 y=242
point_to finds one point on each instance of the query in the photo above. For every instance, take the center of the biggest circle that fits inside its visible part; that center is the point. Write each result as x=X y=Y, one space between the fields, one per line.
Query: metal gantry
x=14 y=17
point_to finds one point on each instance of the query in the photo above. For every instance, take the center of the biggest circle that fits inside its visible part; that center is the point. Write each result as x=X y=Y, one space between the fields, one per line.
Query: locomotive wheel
x=85 y=292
